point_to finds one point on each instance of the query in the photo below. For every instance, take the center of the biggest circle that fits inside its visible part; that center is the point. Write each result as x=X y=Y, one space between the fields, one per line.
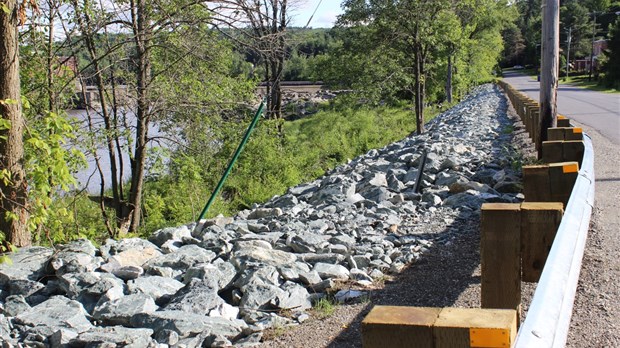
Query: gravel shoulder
x=595 y=322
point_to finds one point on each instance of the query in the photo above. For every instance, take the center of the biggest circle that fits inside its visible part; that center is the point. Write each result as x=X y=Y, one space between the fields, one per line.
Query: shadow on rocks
x=448 y=274
x=438 y=279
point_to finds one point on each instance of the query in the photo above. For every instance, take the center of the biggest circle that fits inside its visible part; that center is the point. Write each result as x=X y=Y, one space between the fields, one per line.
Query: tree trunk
x=419 y=93
x=13 y=192
x=142 y=40
x=85 y=25
x=449 y=81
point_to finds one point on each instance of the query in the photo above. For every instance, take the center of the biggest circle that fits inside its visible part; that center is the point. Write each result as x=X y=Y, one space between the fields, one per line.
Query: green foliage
x=49 y=167
x=269 y=164
x=324 y=308
x=612 y=65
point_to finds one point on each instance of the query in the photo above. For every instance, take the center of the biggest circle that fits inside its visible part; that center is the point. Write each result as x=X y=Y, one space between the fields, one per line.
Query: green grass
x=324 y=308
x=582 y=81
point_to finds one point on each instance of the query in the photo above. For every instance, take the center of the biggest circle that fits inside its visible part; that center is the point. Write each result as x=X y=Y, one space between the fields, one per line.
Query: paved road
x=600 y=111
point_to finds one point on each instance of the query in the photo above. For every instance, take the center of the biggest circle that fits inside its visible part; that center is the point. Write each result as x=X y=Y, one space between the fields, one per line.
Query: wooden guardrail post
x=563 y=151
x=565 y=133
x=563 y=121
x=536 y=183
x=573 y=151
x=464 y=327
x=392 y=326
x=500 y=245
x=551 y=182
x=423 y=327
x=562 y=177
x=539 y=224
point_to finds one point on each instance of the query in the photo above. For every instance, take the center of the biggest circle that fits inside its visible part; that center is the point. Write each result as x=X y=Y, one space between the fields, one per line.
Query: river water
x=89 y=178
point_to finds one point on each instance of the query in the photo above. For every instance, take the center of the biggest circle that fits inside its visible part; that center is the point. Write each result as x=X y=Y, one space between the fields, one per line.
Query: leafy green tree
x=612 y=65
x=576 y=16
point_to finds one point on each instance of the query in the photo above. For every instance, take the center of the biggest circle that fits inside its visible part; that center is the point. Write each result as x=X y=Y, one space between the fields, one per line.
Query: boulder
x=26 y=263
x=188 y=324
x=113 y=336
x=199 y=296
x=326 y=270
x=54 y=314
x=221 y=272
x=120 y=311
x=159 y=237
x=154 y=286
x=182 y=259
x=241 y=258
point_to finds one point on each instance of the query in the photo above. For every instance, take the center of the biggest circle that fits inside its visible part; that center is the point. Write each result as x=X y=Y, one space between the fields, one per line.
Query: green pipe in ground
x=232 y=161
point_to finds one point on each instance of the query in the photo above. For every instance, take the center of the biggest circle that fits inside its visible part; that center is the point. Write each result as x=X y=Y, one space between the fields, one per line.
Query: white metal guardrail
x=549 y=314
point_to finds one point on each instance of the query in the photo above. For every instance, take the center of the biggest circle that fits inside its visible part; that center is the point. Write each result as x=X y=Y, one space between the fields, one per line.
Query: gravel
x=447 y=276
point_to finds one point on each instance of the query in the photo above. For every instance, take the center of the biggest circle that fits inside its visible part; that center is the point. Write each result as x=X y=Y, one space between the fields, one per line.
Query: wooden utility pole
x=549 y=71
x=568 y=41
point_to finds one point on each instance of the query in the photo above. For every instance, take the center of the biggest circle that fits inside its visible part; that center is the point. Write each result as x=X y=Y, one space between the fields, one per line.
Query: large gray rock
x=221 y=272
x=26 y=263
x=5 y=327
x=91 y=283
x=25 y=287
x=113 y=247
x=118 y=312
x=295 y=298
x=182 y=259
x=135 y=257
x=326 y=270
x=188 y=324
x=76 y=257
x=54 y=314
x=159 y=237
x=260 y=296
x=470 y=199
x=307 y=242
x=199 y=296
x=14 y=305
x=154 y=286
x=242 y=258
x=114 y=336
x=261 y=213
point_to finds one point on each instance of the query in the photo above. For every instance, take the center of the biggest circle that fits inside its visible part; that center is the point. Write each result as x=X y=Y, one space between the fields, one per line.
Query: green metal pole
x=233 y=160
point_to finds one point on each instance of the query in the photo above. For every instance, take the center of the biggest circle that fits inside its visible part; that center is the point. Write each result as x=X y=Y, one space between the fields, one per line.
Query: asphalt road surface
x=597 y=110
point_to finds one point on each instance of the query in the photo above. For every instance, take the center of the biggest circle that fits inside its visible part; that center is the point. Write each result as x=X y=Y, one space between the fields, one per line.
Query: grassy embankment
x=269 y=165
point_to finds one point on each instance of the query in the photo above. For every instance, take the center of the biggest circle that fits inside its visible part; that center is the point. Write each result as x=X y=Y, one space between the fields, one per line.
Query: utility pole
x=550 y=41
x=568 y=40
x=592 y=49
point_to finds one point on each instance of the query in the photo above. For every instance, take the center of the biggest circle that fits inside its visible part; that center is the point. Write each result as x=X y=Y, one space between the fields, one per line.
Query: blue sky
x=325 y=16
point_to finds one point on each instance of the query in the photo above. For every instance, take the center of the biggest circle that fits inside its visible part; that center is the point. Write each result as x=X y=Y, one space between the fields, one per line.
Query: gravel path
x=595 y=322
x=447 y=276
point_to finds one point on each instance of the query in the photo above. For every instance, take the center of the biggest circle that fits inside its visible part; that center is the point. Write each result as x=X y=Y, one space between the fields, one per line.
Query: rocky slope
x=224 y=282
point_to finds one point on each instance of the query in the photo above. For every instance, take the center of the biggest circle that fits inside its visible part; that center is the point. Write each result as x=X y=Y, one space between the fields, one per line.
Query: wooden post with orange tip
x=424 y=327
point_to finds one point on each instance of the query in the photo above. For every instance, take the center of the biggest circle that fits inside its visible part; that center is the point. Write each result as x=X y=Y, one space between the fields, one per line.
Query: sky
x=325 y=15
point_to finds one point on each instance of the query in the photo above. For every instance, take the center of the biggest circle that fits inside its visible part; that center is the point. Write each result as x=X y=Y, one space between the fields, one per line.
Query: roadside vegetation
x=173 y=87
x=592 y=27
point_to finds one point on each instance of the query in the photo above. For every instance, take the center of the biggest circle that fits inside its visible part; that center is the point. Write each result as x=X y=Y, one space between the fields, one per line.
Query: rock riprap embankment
x=224 y=282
